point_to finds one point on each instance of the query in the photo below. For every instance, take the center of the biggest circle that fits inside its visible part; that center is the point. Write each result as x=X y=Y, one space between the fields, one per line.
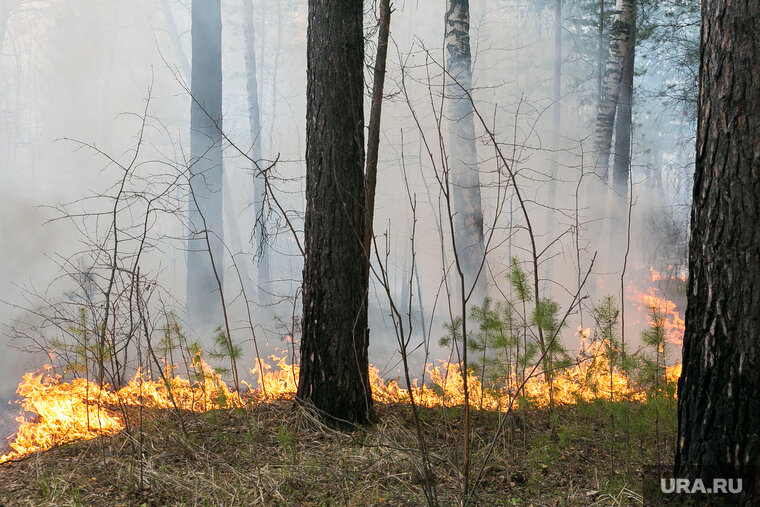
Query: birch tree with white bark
x=462 y=152
x=623 y=31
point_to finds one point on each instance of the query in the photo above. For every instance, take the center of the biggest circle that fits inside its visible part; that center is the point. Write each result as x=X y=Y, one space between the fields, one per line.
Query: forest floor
x=269 y=453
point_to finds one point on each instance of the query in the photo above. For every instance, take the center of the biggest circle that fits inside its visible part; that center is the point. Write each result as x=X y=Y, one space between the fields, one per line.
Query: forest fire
x=657 y=276
x=662 y=312
x=58 y=411
x=81 y=410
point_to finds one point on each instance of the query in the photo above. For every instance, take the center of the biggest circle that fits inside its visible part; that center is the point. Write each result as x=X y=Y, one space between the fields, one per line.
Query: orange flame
x=591 y=378
x=656 y=276
x=80 y=410
x=280 y=383
x=666 y=310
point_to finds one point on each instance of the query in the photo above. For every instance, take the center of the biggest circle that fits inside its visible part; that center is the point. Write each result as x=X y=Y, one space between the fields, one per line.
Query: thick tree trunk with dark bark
x=622 y=33
x=203 y=302
x=718 y=404
x=463 y=162
x=334 y=376
x=259 y=192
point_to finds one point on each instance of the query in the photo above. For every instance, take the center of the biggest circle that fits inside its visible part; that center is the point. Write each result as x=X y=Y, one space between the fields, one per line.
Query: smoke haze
x=79 y=71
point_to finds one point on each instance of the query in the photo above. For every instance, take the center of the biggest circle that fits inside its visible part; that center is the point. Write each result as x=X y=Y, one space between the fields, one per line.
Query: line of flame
x=81 y=410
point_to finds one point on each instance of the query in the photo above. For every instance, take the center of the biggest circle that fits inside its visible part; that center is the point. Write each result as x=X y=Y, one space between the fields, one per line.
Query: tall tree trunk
x=204 y=310
x=259 y=190
x=600 y=56
x=373 y=137
x=275 y=68
x=556 y=120
x=334 y=377
x=718 y=408
x=622 y=37
x=5 y=13
x=463 y=163
x=621 y=168
x=171 y=28
x=556 y=109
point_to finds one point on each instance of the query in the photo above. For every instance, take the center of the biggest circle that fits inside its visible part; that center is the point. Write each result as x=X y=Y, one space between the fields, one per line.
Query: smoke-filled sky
x=79 y=71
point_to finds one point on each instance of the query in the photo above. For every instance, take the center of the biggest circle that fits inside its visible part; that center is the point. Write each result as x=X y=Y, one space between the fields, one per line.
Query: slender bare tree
x=259 y=190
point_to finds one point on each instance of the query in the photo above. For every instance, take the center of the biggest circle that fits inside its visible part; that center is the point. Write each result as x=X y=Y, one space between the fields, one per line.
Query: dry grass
x=269 y=453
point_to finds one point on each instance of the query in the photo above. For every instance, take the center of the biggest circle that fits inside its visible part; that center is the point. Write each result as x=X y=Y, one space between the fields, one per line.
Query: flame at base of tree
x=590 y=379
x=81 y=410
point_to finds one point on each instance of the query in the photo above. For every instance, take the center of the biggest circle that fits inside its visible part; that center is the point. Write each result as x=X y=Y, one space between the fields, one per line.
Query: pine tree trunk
x=334 y=376
x=259 y=191
x=463 y=163
x=622 y=32
x=718 y=408
x=203 y=302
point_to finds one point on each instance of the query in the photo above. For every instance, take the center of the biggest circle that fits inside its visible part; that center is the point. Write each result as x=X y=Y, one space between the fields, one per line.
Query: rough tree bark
x=718 y=407
x=204 y=311
x=254 y=119
x=334 y=376
x=463 y=162
x=622 y=32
